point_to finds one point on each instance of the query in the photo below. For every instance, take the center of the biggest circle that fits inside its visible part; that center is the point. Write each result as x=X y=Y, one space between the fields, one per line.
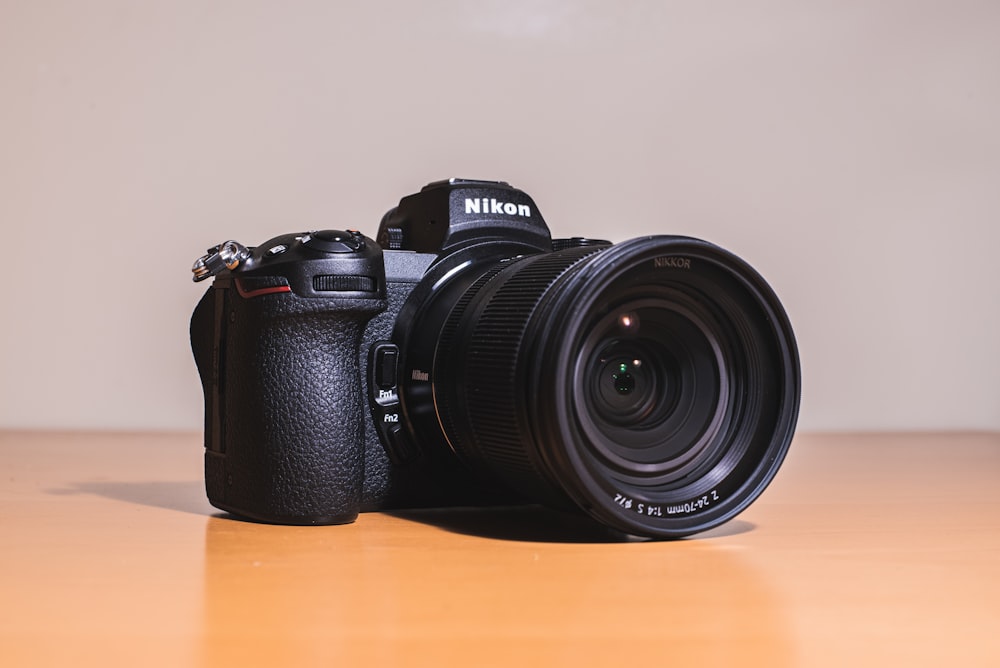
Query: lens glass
x=648 y=385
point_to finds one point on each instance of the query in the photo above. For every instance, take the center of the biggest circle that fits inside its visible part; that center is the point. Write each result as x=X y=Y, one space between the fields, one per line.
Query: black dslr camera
x=467 y=358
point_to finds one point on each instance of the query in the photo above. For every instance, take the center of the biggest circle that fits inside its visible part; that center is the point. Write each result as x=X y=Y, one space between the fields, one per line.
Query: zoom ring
x=484 y=412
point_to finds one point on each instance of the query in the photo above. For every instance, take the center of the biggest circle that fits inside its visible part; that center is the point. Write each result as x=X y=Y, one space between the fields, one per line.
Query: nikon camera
x=464 y=357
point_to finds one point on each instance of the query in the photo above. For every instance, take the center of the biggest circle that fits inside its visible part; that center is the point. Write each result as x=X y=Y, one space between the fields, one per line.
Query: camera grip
x=290 y=444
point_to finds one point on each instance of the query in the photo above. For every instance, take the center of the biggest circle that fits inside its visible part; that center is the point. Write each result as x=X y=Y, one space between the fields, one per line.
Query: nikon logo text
x=485 y=205
x=672 y=263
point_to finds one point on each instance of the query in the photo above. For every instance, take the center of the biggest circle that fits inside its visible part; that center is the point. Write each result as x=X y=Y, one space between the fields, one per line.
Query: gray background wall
x=848 y=149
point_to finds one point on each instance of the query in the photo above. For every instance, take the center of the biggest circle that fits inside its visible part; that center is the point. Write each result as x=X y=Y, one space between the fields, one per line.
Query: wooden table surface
x=866 y=550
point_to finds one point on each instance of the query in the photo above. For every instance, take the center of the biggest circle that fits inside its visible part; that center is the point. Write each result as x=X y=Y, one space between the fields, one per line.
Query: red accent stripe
x=247 y=294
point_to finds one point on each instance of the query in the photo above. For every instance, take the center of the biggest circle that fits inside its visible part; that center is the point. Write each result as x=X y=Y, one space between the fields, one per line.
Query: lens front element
x=673 y=365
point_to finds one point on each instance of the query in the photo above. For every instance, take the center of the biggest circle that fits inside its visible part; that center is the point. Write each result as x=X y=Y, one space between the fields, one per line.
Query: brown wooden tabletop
x=866 y=550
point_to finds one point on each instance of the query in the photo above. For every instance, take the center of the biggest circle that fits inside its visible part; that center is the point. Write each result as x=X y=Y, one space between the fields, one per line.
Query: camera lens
x=654 y=384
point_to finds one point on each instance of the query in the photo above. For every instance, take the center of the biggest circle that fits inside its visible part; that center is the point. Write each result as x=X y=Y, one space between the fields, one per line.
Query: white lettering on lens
x=623 y=501
x=493 y=206
x=694 y=505
x=656 y=510
x=420 y=375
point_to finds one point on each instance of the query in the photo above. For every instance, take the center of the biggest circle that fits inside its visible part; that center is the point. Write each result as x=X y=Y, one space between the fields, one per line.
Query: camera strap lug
x=227 y=255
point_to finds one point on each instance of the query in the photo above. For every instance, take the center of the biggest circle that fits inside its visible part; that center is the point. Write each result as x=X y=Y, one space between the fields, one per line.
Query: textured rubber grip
x=292 y=420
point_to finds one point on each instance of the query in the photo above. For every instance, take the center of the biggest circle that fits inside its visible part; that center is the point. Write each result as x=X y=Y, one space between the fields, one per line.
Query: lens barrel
x=654 y=384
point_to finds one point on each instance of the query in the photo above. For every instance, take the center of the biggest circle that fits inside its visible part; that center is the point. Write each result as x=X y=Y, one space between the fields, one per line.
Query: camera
x=464 y=357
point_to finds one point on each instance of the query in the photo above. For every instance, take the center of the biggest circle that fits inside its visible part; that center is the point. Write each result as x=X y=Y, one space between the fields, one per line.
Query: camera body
x=467 y=358
x=301 y=377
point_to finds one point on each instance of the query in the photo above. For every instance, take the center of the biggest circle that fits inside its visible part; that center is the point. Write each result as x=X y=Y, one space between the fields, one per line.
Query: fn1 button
x=386 y=357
